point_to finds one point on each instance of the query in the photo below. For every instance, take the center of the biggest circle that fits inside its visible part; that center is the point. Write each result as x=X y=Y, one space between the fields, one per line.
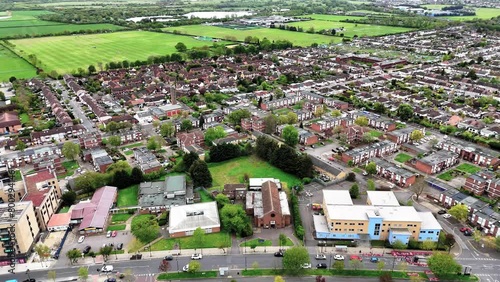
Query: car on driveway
x=356 y=258
x=196 y=256
x=446 y=215
x=321 y=265
x=81 y=239
x=278 y=254
x=320 y=257
x=442 y=212
x=374 y=259
x=306 y=265
x=185 y=268
x=338 y=257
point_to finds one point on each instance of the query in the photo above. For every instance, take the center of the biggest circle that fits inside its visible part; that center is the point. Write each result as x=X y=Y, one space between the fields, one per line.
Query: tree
x=405 y=112
x=83 y=273
x=136 y=176
x=105 y=252
x=399 y=245
x=459 y=212
x=20 y=145
x=354 y=191
x=419 y=187
x=74 y=255
x=371 y=168
x=338 y=265
x=336 y=113
x=91 y=69
x=291 y=135
x=497 y=243
x=70 y=150
x=370 y=185
x=198 y=237
x=428 y=245
x=167 y=129
x=442 y=264
x=154 y=143
x=119 y=165
x=114 y=140
x=351 y=177
x=194 y=266
x=255 y=265
x=449 y=240
x=214 y=133
x=42 y=251
x=145 y=229
x=477 y=235
x=51 y=274
x=234 y=220
x=180 y=47
x=189 y=159
x=200 y=174
x=292 y=118
x=221 y=200
x=386 y=277
x=380 y=265
x=186 y=125
x=379 y=108
x=355 y=264
x=270 y=122
x=236 y=116
x=282 y=239
x=361 y=121
x=294 y=258
x=367 y=138
x=416 y=135
x=279 y=279
x=68 y=198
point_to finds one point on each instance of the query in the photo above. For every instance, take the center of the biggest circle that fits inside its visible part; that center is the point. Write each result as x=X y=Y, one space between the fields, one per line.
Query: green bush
x=297 y=221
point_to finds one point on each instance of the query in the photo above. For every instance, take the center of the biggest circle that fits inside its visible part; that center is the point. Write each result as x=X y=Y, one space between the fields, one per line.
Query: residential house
x=90 y=140
x=478 y=183
x=235 y=191
x=471 y=152
x=325 y=124
x=403 y=135
x=195 y=137
x=146 y=160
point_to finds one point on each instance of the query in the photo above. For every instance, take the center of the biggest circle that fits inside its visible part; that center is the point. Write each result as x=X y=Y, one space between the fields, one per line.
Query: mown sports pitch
x=297 y=38
x=68 y=53
x=12 y=65
x=351 y=29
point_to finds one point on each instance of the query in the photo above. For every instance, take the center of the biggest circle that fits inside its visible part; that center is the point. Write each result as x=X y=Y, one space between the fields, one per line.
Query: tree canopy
x=145 y=228
x=200 y=174
x=459 y=212
x=70 y=150
x=442 y=264
x=235 y=220
x=214 y=133
x=291 y=135
x=294 y=258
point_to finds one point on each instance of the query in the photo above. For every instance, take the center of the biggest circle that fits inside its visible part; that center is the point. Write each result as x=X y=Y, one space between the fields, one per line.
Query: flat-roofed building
x=185 y=219
x=382 y=198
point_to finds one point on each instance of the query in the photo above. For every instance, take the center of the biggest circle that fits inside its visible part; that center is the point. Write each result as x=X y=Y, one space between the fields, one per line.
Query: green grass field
x=24 y=15
x=80 y=51
x=120 y=217
x=468 y=168
x=402 y=158
x=49 y=27
x=297 y=38
x=131 y=146
x=212 y=240
x=351 y=29
x=128 y=197
x=258 y=243
x=447 y=176
x=117 y=227
x=12 y=65
x=332 y=18
x=376 y=133
x=204 y=196
x=63 y=210
x=233 y=171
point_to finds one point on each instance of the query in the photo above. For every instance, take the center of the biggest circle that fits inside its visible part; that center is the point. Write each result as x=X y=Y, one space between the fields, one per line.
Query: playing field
x=67 y=53
x=481 y=13
x=333 y=18
x=297 y=38
x=12 y=65
x=351 y=29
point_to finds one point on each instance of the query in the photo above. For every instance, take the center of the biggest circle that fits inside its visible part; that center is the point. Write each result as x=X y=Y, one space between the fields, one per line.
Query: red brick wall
x=315 y=127
x=346 y=158
x=423 y=167
x=311 y=140
x=183 y=234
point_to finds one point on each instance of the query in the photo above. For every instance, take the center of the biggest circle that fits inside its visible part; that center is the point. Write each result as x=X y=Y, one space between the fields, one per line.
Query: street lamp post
x=116 y=255
x=245 y=252
x=177 y=262
x=28 y=273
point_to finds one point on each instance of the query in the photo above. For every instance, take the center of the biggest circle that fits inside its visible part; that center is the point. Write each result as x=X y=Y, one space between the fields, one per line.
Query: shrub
x=297 y=221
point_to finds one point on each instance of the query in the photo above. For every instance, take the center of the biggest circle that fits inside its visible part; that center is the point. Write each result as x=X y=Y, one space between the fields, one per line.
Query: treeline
x=332 y=31
x=62 y=33
x=419 y=22
x=227 y=151
x=284 y=157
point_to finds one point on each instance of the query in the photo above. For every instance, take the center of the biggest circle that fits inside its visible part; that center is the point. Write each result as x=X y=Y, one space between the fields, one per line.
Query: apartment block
x=280 y=103
x=436 y=162
x=365 y=153
x=401 y=136
x=399 y=176
x=327 y=123
x=375 y=121
x=478 y=183
x=471 y=152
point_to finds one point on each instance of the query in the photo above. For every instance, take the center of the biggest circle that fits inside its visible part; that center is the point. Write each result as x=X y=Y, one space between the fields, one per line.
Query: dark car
x=30 y=280
x=278 y=254
x=321 y=265
x=119 y=246
x=168 y=257
x=86 y=250
x=468 y=233
x=442 y=212
x=110 y=280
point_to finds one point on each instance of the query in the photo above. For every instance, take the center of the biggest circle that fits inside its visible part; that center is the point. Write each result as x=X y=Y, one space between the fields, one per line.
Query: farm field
x=351 y=29
x=24 y=15
x=46 y=28
x=80 y=51
x=297 y=38
x=481 y=13
x=12 y=65
x=333 y=18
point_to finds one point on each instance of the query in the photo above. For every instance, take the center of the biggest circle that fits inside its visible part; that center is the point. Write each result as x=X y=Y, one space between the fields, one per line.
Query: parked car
x=81 y=239
x=321 y=265
x=353 y=257
x=119 y=246
x=374 y=259
x=320 y=257
x=365 y=173
x=114 y=233
x=196 y=256
x=110 y=280
x=442 y=212
x=169 y=257
x=468 y=233
x=306 y=265
x=278 y=254
x=338 y=257
x=86 y=250
x=463 y=229
x=108 y=234
x=446 y=215
x=185 y=268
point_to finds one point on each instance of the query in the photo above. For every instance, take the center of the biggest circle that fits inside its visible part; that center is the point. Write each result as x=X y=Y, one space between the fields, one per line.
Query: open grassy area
x=70 y=167
x=233 y=171
x=333 y=18
x=17 y=175
x=133 y=145
x=47 y=28
x=120 y=217
x=204 y=196
x=297 y=38
x=376 y=133
x=63 y=210
x=468 y=168
x=187 y=275
x=12 y=65
x=329 y=272
x=257 y=242
x=351 y=29
x=481 y=13
x=128 y=197
x=212 y=240
x=80 y=51
x=447 y=176
x=402 y=158
x=117 y=227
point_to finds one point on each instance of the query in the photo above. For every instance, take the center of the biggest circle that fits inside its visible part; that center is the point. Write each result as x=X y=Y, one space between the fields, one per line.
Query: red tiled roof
x=9 y=119
x=59 y=219
x=95 y=214
x=270 y=197
x=34 y=194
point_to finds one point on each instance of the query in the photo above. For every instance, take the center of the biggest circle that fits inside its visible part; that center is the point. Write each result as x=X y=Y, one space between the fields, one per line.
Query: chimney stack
x=172 y=95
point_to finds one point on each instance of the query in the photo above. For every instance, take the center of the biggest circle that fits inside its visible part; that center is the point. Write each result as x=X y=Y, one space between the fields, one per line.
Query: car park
x=81 y=239
x=320 y=257
x=321 y=265
x=196 y=256
x=338 y=257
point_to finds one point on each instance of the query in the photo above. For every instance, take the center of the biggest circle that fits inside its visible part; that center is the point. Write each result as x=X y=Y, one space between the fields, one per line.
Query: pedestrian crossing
x=483 y=259
x=146 y=274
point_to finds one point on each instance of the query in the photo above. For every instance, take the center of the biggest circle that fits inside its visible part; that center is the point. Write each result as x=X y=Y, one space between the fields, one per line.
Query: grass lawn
x=80 y=51
x=481 y=13
x=328 y=272
x=289 y=242
x=297 y=38
x=128 y=152
x=12 y=65
x=120 y=217
x=205 y=197
x=468 y=168
x=63 y=210
x=38 y=27
x=70 y=167
x=447 y=176
x=351 y=29
x=258 y=243
x=213 y=240
x=357 y=170
x=232 y=171
x=17 y=175
x=187 y=275
x=131 y=146
x=402 y=158
x=376 y=133
x=24 y=117
x=128 y=197
x=117 y=227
